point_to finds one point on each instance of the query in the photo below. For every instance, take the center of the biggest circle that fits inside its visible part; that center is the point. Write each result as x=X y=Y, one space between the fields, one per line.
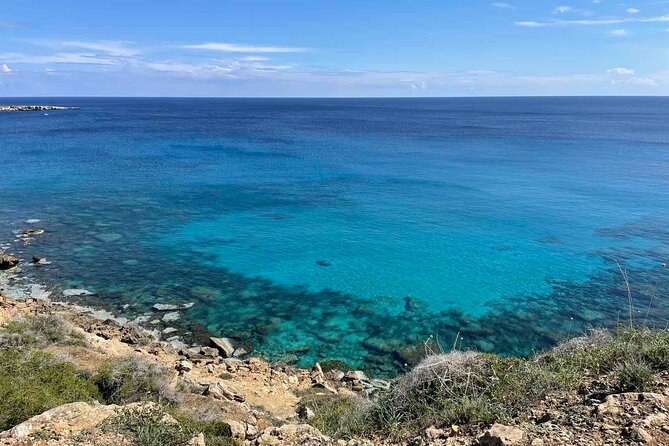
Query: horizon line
x=341 y=97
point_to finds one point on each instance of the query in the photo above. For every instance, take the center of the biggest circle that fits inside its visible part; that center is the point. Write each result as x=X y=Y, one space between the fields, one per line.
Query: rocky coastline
x=25 y=108
x=598 y=389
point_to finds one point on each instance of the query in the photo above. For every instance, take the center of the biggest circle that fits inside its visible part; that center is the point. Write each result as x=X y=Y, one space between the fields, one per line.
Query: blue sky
x=333 y=48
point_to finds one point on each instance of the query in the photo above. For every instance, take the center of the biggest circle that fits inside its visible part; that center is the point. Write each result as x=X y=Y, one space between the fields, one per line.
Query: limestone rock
x=219 y=392
x=294 y=435
x=184 y=366
x=65 y=419
x=224 y=346
x=501 y=435
x=197 y=440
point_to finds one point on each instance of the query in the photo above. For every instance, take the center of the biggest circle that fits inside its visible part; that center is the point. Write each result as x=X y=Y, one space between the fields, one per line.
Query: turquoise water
x=349 y=229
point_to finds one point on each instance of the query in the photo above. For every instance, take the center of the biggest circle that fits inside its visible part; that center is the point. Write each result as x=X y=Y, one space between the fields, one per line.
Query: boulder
x=224 y=346
x=65 y=419
x=8 y=262
x=501 y=435
x=237 y=429
x=219 y=392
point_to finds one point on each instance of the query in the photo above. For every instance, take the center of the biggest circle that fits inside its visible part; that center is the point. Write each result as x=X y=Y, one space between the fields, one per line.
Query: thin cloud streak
x=117 y=48
x=243 y=48
x=593 y=22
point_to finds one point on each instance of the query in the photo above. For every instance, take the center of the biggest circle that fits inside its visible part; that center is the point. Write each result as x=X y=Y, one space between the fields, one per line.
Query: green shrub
x=152 y=425
x=216 y=432
x=132 y=379
x=337 y=416
x=39 y=331
x=469 y=387
x=147 y=426
x=634 y=376
x=31 y=383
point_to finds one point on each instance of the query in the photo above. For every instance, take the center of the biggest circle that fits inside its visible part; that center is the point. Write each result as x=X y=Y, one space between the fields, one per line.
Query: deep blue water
x=301 y=226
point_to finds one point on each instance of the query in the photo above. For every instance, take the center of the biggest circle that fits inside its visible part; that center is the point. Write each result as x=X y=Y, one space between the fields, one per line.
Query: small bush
x=152 y=425
x=132 y=379
x=337 y=416
x=634 y=376
x=39 y=331
x=216 y=432
x=35 y=382
x=147 y=426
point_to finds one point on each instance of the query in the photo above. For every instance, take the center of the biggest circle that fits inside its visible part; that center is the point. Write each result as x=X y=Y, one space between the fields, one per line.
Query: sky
x=349 y=48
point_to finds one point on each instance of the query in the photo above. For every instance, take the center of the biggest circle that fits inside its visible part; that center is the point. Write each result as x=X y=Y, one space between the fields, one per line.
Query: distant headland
x=20 y=108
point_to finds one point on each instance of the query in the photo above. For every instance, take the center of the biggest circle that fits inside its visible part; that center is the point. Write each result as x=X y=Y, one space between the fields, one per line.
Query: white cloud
x=621 y=71
x=633 y=10
x=5 y=68
x=58 y=58
x=619 y=32
x=241 y=48
x=593 y=22
x=502 y=5
x=254 y=58
x=116 y=48
x=562 y=9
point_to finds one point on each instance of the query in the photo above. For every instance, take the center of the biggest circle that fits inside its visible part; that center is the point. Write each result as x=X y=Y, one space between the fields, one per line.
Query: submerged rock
x=29 y=232
x=323 y=263
x=172 y=307
x=171 y=317
x=76 y=292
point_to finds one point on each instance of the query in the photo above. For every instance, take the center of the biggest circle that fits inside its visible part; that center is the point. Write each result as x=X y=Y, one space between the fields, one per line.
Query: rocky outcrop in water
x=8 y=262
x=20 y=108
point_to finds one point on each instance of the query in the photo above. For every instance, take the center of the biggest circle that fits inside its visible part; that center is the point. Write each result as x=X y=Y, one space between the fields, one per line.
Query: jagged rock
x=616 y=404
x=184 y=366
x=134 y=335
x=8 y=262
x=221 y=393
x=305 y=412
x=501 y=435
x=237 y=429
x=209 y=352
x=224 y=346
x=239 y=352
x=294 y=435
x=251 y=432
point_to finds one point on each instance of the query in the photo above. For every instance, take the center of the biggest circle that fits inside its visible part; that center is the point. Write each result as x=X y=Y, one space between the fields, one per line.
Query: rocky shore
x=126 y=382
x=20 y=108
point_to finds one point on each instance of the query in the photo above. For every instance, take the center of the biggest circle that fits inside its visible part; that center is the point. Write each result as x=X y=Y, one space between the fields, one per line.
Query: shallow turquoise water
x=350 y=229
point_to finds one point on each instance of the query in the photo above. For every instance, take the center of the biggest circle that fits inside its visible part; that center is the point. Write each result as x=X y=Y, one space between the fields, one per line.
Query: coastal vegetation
x=457 y=388
x=452 y=391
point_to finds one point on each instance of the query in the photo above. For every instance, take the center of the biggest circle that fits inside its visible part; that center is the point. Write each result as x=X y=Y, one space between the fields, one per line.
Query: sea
x=359 y=232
